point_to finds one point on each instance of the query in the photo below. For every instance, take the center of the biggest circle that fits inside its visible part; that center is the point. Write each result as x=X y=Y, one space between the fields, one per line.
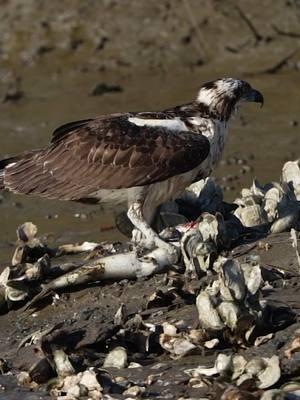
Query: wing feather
x=109 y=153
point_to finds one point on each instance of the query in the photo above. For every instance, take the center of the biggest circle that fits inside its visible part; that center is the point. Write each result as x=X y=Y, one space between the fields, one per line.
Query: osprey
x=141 y=158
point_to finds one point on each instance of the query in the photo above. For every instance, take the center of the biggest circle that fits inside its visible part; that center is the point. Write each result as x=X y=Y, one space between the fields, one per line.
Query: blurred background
x=63 y=60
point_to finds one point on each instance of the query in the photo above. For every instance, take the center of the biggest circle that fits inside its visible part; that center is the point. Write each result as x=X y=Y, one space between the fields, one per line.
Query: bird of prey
x=139 y=158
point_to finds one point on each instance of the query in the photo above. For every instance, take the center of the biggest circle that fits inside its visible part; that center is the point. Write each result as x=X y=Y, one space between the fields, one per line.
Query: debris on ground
x=106 y=320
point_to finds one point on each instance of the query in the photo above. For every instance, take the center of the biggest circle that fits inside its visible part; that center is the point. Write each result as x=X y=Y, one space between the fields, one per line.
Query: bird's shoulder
x=172 y=124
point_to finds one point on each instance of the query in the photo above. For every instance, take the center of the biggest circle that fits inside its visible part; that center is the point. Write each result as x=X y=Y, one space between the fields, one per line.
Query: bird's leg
x=144 y=234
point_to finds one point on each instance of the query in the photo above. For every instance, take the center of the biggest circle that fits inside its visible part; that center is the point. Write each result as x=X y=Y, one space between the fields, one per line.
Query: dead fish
x=114 y=267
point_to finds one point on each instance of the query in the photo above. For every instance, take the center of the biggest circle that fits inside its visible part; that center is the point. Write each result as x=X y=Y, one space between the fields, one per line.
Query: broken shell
x=208 y=315
x=182 y=347
x=24 y=378
x=210 y=344
x=251 y=215
x=134 y=391
x=245 y=193
x=291 y=175
x=4 y=276
x=26 y=232
x=267 y=371
x=255 y=366
x=287 y=219
x=271 y=373
x=198 y=336
x=238 y=366
x=202 y=370
x=232 y=281
x=169 y=329
x=134 y=365
x=293 y=347
x=121 y=315
x=271 y=201
x=62 y=364
x=74 y=392
x=252 y=276
x=274 y=394
x=224 y=363
x=229 y=312
x=200 y=244
x=263 y=339
x=292 y=387
x=257 y=189
x=84 y=383
x=89 y=380
x=117 y=358
x=13 y=294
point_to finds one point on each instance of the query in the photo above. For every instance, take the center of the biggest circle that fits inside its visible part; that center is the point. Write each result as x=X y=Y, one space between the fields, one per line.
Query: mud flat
x=109 y=321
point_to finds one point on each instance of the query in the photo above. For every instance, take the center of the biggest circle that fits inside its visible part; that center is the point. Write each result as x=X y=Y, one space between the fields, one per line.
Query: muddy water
x=267 y=136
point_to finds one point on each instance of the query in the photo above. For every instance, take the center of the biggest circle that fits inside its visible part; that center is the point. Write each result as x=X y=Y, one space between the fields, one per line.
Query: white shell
x=208 y=315
x=224 y=363
x=271 y=373
x=229 y=312
x=271 y=201
x=117 y=358
x=251 y=215
x=287 y=220
x=89 y=380
x=239 y=363
x=257 y=190
x=291 y=175
x=252 y=276
x=62 y=364
x=232 y=281
x=27 y=231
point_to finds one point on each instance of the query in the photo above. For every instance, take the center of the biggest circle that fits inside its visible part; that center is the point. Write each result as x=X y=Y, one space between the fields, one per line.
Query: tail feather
x=3 y=164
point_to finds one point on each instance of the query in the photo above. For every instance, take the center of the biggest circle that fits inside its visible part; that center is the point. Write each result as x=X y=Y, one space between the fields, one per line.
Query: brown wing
x=109 y=153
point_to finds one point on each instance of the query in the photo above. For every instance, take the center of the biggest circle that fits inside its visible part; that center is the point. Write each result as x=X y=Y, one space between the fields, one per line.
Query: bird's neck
x=218 y=110
x=220 y=107
x=216 y=132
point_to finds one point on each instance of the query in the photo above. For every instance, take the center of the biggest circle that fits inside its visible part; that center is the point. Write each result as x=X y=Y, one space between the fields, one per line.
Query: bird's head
x=220 y=98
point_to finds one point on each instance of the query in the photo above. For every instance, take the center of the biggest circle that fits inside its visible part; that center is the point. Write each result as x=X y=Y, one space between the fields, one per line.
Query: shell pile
x=265 y=371
x=231 y=298
x=218 y=294
x=274 y=206
x=201 y=243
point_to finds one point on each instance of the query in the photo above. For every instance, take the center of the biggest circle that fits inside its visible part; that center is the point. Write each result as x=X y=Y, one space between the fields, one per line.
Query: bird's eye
x=246 y=87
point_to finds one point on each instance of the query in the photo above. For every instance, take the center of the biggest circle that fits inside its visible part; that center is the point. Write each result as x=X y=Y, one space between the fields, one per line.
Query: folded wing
x=104 y=153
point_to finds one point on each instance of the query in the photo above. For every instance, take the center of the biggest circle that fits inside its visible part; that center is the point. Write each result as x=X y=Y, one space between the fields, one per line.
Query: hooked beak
x=255 y=96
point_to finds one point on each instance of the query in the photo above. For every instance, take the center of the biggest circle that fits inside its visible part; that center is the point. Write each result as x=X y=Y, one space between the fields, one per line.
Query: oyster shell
x=117 y=358
x=291 y=175
x=251 y=214
x=208 y=315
